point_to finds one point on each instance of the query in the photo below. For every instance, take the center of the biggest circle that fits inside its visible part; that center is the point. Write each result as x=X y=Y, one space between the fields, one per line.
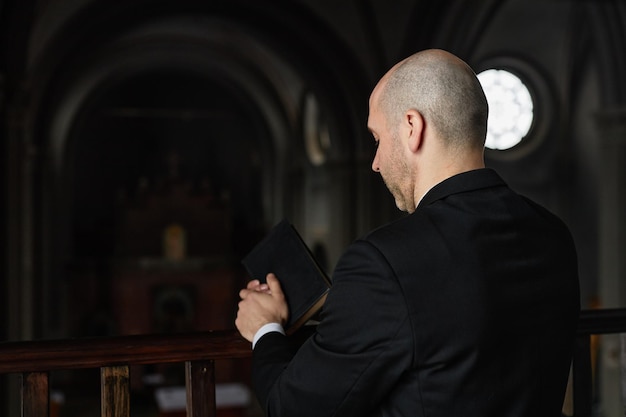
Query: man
x=466 y=307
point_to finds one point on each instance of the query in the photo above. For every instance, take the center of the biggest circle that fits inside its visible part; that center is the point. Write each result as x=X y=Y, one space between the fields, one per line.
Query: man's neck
x=432 y=176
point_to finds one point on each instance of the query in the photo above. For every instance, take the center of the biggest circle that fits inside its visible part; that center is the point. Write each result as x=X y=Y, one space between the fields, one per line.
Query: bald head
x=444 y=89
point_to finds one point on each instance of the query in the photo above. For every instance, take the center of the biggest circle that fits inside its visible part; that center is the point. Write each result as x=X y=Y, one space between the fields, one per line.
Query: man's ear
x=415 y=123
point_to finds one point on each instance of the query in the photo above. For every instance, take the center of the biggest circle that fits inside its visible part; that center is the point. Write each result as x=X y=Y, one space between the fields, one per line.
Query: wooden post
x=35 y=394
x=115 y=391
x=583 y=384
x=200 y=384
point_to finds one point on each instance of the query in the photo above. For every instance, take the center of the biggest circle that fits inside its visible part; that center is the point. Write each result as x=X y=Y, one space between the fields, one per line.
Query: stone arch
x=254 y=62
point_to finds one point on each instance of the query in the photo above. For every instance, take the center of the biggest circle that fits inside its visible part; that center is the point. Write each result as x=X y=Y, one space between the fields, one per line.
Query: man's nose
x=375 y=165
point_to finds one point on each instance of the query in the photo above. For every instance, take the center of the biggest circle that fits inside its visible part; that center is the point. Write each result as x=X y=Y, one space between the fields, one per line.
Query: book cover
x=303 y=281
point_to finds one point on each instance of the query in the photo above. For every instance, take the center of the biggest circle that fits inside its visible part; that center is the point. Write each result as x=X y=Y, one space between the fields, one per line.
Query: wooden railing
x=34 y=360
x=114 y=356
x=592 y=322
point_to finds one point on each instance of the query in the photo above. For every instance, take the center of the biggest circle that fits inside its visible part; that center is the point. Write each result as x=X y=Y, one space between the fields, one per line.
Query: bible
x=304 y=283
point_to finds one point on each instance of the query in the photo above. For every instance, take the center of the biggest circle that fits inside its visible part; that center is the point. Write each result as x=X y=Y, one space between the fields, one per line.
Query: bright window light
x=510 y=108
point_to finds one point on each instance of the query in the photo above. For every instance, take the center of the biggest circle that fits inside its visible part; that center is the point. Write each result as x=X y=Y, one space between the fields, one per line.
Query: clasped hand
x=261 y=304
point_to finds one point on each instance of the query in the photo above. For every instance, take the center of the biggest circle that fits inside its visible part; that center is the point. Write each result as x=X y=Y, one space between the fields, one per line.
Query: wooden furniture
x=114 y=355
x=593 y=323
x=34 y=360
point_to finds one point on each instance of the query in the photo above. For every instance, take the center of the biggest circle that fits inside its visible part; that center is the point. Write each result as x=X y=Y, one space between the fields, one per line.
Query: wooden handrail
x=602 y=321
x=114 y=355
x=592 y=322
x=50 y=355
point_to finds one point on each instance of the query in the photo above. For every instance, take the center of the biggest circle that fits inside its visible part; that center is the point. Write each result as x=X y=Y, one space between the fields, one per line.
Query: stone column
x=612 y=251
x=612 y=208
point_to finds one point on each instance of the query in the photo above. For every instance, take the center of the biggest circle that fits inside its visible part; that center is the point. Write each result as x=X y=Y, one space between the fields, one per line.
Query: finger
x=274 y=284
x=256 y=285
x=244 y=293
x=253 y=284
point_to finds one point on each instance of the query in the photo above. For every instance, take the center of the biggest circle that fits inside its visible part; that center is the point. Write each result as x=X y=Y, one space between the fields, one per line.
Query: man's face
x=389 y=159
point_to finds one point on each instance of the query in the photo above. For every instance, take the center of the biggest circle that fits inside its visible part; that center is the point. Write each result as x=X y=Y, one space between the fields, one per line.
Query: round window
x=510 y=108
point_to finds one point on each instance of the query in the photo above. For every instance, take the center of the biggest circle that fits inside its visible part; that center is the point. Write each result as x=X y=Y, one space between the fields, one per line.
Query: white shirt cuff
x=265 y=329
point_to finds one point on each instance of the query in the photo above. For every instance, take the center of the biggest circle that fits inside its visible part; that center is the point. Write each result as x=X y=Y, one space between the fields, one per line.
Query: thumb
x=274 y=284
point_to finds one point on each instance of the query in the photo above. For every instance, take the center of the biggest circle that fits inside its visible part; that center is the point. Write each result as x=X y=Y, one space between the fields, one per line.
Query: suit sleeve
x=359 y=352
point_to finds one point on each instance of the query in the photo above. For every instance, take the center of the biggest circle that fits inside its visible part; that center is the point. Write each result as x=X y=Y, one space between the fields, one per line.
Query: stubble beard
x=397 y=180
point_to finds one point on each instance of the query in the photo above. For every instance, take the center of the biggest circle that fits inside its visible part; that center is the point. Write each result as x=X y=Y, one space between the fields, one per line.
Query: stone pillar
x=612 y=209
x=612 y=251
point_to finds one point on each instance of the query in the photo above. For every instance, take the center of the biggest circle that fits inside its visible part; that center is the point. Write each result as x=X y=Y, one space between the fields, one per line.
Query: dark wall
x=96 y=97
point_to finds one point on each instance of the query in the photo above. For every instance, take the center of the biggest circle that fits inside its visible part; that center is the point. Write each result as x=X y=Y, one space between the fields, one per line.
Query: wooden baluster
x=200 y=383
x=35 y=394
x=115 y=391
x=622 y=339
x=582 y=381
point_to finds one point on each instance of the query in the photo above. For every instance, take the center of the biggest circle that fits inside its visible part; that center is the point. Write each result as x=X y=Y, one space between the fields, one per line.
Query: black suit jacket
x=467 y=307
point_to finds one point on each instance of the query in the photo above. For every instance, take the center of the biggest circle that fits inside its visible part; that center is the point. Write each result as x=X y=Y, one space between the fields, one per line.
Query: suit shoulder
x=549 y=217
x=397 y=233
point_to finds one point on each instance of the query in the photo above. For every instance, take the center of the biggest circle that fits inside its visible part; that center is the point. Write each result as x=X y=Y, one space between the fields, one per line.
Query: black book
x=303 y=281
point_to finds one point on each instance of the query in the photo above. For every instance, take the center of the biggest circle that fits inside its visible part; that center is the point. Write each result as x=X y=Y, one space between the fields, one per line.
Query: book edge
x=308 y=314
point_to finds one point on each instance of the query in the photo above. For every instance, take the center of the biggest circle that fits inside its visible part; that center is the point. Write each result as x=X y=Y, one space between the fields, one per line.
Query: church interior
x=148 y=145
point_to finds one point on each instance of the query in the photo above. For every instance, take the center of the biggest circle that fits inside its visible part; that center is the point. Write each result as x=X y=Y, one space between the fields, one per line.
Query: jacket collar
x=465 y=181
